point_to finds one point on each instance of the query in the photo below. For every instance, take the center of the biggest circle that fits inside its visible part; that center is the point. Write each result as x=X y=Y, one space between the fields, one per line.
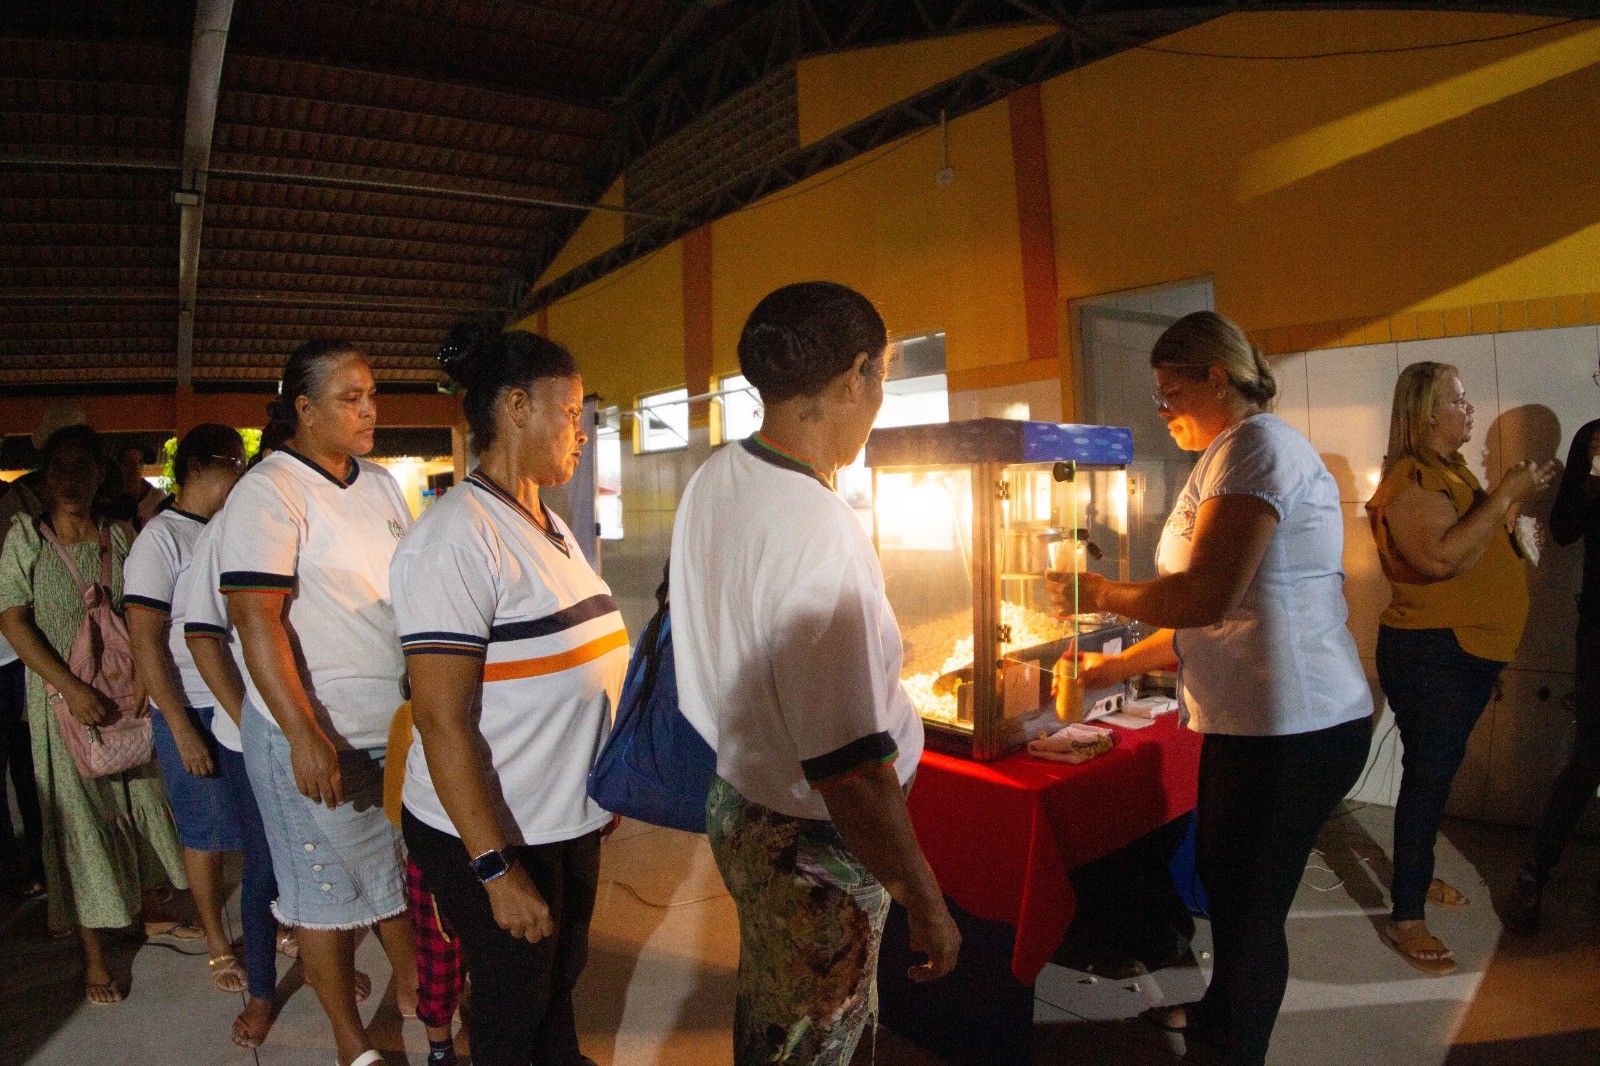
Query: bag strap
x=49 y=534
x=650 y=642
x=105 y=556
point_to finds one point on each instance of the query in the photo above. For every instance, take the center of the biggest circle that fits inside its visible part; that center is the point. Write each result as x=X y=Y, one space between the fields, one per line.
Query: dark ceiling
x=379 y=168
x=376 y=166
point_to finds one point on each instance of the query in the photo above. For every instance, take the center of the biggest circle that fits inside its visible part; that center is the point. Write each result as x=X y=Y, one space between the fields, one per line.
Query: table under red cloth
x=1001 y=836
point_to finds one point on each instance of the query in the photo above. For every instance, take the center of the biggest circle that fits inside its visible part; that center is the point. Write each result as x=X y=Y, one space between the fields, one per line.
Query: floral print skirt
x=810 y=921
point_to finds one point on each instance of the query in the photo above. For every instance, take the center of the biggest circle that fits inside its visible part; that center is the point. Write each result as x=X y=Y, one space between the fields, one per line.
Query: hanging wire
x=1396 y=50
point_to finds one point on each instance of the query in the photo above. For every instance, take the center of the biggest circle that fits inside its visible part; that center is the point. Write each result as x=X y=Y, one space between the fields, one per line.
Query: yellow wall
x=626 y=329
x=836 y=90
x=598 y=232
x=1342 y=189
x=1334 y=188
x=930 y=258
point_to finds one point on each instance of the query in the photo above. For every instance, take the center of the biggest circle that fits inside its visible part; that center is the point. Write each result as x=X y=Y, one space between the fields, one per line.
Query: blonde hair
x=1416 y=393
x=1205 y=339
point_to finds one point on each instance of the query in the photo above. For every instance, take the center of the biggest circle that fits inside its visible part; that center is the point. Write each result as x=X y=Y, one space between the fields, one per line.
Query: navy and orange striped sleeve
x=440 y=642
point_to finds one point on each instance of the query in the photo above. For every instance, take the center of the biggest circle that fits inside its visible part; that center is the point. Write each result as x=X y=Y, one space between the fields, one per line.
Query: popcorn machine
x=967 y=518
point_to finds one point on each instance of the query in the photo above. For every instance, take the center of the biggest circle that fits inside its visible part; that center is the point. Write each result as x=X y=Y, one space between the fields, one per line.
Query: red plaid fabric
x=438 y=955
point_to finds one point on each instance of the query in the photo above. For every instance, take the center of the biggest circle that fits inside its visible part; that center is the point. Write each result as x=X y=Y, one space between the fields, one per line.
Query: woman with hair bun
x=788 y=663
x=304 y=560
x=1250 y=598
x=516 y=652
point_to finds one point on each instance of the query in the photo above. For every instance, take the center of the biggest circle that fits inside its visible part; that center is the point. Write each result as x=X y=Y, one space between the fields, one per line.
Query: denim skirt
x=206 y=813
x=337 y=869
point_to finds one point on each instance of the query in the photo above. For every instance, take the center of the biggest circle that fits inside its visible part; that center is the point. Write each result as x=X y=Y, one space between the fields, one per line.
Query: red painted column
x=1036 y=226
x=697 y=320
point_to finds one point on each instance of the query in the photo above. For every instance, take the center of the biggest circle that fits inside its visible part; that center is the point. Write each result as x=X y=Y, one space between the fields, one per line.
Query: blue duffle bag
x=655 y=766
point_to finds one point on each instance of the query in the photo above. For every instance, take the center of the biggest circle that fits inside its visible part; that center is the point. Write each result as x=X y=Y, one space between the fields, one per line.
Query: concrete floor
x=659 y=987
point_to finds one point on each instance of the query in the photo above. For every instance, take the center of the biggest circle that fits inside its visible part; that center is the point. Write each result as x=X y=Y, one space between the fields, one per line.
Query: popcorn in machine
x=967 y=518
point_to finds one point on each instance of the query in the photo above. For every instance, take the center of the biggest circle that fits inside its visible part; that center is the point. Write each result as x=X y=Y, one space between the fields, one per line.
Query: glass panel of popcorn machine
x=1062 y=517
x=924 y=531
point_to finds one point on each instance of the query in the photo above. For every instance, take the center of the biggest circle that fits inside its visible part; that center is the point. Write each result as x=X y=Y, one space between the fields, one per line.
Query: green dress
x=105 y=840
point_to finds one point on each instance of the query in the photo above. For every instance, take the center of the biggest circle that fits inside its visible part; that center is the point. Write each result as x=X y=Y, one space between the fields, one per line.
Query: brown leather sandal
x=1445 y=895
x=1410 y=944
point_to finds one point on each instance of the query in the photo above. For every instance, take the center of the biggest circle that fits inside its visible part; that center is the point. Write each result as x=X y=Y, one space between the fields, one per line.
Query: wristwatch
x=490 y=865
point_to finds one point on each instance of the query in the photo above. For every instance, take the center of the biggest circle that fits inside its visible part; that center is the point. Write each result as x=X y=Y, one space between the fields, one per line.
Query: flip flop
x=366 y=1058
x=224 y=967
x=107 y=986
x=173 y=931
x=1445 y=895
x=1407 y=943
x=288 y=945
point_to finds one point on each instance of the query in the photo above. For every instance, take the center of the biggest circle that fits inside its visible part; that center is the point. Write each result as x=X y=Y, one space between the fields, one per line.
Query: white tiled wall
x=1531 y=390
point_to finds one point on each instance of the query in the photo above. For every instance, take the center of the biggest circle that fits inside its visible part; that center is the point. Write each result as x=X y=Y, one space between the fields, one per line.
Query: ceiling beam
x=211 y=19
x=278 y=177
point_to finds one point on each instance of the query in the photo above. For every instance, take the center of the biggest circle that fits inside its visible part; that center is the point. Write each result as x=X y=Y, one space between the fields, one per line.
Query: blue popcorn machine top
x=967 y=519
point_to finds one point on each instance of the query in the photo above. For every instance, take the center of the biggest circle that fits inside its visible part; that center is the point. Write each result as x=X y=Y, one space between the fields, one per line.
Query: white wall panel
x=1350 y=390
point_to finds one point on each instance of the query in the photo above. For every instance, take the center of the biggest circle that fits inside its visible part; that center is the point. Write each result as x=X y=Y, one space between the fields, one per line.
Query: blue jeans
x=260 y=887
x=1437 y=692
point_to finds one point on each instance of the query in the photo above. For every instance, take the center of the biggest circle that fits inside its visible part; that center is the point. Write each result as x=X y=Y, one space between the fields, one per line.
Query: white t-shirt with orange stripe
x=477 y=576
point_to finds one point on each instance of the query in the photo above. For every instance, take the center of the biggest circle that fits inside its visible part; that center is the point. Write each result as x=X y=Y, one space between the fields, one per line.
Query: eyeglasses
x=239 y=465
x=1163 y=396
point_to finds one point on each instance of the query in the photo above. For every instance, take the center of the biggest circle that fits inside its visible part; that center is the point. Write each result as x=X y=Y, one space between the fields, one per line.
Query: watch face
x=489 y=865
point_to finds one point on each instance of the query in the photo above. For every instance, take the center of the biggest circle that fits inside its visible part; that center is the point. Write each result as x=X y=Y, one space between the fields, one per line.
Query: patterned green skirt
x=810 y=921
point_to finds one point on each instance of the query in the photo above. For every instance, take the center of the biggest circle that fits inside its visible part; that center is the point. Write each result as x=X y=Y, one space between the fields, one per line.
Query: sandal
x=109 y=988
x=1444 y=895
x=366 y=1058
x=288 y=945
x=173 y=930
x=227 y=974
x=1411 y=943
x=251 y=1032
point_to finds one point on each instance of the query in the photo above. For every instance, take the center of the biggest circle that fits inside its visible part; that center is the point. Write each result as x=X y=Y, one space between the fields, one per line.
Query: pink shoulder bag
x=102 y=658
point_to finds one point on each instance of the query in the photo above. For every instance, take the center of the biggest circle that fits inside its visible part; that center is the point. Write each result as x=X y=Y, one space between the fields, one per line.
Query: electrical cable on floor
x=630 y=890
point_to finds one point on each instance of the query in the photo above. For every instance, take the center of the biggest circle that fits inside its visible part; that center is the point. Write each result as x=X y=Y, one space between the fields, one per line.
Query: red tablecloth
x=1001 y=836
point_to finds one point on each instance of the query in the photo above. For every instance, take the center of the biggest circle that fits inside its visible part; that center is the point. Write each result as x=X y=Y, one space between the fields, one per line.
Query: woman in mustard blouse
x=1460 y=598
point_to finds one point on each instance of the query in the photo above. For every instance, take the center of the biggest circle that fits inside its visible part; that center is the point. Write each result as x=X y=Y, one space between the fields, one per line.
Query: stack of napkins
x=1150 y=706
x=1076 y=743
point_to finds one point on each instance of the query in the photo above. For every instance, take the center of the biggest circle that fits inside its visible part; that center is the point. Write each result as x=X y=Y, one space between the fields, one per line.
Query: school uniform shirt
x=479 y=578
x=1282 y=661
x=200 y=608
x=160 y=557
x=787 y=652
x=293 y=529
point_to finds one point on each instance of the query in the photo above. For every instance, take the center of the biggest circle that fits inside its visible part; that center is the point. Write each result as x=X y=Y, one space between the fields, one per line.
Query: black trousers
x=521 y=1010
x=1576 y=785
x=16 y=757
x=1262 y=802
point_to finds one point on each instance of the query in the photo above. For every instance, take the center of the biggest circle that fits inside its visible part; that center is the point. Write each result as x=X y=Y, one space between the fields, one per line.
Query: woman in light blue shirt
x=1251 y=609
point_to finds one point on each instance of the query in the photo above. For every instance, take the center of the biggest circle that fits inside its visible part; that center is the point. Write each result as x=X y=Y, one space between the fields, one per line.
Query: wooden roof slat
x=361 y=227
x=369 y=266
x=329 y=80
x=287 y=242
x=276 y=148
x=371 y=120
